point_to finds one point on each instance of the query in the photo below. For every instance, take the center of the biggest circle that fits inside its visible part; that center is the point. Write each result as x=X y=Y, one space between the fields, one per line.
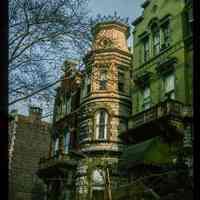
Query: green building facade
x=162 y=64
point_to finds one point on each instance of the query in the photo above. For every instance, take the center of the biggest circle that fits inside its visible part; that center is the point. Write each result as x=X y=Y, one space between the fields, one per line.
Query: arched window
x=101 y=125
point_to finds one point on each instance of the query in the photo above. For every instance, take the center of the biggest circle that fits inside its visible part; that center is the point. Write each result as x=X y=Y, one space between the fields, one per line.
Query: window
x=101 y=124
x=66 y=141
x=146 y=49
x=156 y=41
x=69 y=105
x=56 y=146
x=146 y=98
x=169 y=86
x=103 y=80
x=121 y=80
x=166 y=35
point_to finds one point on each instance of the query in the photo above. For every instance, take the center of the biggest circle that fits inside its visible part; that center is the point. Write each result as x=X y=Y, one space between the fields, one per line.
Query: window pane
x=166 y=34
x=169 y=83
x=146 y=92
x=66 y=141
x=156 y=42
x=56 y=145
x=146 y=49
x=101 y=125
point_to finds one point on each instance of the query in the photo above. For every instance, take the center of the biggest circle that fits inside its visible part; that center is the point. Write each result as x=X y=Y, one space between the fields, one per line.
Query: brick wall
x=31 y=142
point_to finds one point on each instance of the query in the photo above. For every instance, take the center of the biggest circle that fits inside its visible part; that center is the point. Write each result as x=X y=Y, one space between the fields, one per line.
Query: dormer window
x=101 y=125
x=103 y=80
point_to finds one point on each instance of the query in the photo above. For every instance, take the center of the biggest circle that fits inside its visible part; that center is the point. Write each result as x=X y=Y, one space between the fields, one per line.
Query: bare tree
x=42 y=33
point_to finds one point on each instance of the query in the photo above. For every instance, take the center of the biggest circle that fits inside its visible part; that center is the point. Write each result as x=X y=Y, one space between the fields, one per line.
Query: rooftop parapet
x=115 y=19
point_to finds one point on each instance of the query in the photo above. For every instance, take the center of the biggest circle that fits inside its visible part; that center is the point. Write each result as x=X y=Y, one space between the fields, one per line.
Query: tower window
x=169 y=86
x=121 y=82
x=146 y=98
x=101 y=124
x=66 y=141
x=103 y=80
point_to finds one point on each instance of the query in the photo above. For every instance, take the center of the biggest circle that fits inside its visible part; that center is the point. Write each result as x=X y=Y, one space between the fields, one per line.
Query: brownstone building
x=28 y=141
x=91 y=109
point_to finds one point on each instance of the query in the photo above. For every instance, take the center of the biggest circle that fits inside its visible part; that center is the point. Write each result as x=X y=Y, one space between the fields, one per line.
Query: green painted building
x=162 y=65
x=159 y=134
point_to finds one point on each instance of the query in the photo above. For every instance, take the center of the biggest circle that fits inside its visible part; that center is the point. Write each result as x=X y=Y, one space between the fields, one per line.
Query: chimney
x=69 y=66
x=35 y=112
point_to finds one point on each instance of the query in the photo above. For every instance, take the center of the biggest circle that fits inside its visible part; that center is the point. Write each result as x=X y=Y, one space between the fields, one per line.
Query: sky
x=124 y=8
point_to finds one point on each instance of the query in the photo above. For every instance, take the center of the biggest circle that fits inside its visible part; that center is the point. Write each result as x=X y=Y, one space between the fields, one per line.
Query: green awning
x=152 y=151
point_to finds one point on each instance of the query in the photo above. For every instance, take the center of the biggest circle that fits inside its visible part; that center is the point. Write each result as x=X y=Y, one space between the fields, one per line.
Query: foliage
x=42 y=33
